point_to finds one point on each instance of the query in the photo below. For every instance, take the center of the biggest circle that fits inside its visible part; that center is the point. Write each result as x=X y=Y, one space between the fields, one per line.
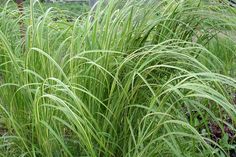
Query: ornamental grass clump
x=130 y=78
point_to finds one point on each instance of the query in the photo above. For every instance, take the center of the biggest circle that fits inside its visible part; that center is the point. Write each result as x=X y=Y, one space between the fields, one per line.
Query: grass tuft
x=130 y=78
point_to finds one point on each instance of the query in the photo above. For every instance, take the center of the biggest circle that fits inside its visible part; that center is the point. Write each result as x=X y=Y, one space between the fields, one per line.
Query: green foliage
x=133 y=78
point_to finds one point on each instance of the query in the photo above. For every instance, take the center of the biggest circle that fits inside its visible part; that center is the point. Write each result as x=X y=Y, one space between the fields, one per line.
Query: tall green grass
x=131 y=78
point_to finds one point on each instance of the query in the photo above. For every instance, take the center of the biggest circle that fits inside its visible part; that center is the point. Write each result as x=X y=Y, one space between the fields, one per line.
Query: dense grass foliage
x=132 y=78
